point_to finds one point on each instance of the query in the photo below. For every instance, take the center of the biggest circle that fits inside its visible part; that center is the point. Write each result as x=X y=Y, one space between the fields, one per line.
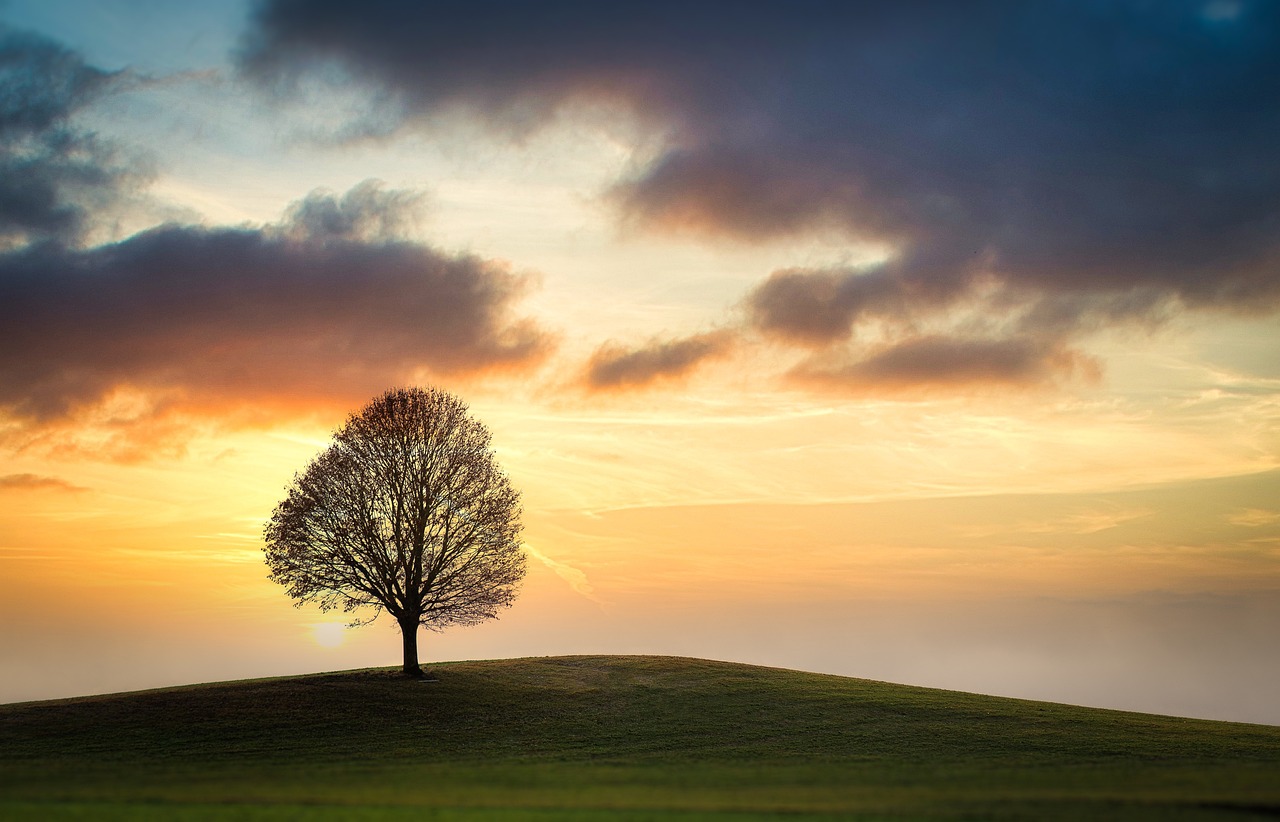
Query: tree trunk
x=409 y=630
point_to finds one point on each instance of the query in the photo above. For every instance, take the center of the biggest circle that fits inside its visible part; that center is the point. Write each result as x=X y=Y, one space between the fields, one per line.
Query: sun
x=329 y=634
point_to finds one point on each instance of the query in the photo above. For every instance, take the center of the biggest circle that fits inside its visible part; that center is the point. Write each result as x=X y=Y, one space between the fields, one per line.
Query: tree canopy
x=406 y=512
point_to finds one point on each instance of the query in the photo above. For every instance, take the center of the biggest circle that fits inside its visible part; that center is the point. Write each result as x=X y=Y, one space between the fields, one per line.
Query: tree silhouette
x=406 y=512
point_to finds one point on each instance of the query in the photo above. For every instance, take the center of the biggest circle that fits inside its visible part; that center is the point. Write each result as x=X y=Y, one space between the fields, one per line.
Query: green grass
x=617 y=738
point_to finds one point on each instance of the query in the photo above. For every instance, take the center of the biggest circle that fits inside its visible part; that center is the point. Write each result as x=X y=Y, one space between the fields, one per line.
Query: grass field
x=617 y=738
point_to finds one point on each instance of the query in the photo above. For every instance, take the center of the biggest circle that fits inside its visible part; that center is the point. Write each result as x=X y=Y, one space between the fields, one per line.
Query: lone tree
x=406 y=512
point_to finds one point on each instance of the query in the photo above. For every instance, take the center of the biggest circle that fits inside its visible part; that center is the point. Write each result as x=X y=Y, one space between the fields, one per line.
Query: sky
x=923 y=342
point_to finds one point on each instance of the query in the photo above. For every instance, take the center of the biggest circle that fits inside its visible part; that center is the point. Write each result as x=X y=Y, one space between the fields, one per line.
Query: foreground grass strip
x=618 y=738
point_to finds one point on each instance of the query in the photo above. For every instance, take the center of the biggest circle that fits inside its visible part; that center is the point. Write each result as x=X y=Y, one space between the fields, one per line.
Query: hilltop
x=615 y=738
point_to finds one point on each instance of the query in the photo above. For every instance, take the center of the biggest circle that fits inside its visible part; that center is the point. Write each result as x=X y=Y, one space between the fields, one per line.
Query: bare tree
x=406 y=512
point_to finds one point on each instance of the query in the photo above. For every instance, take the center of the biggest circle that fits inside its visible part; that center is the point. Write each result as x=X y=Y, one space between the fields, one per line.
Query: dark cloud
x=35 y=482
x=53 y=175
x=1088 y=162
x=616 y=367
x=367 y=212
x=820 y=307
x=44 y=83
x=288 y=314
x=516 y=62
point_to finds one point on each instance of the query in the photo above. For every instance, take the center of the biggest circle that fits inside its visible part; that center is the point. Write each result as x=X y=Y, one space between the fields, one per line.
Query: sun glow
x=329 y=634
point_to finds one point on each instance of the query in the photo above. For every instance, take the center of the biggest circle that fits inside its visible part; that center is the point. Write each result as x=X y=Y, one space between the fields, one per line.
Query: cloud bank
x=238 y=314
x=323 y=308
x=1072 y=166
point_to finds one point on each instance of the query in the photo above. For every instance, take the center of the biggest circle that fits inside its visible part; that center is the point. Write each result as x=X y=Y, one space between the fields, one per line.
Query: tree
x=406 y=512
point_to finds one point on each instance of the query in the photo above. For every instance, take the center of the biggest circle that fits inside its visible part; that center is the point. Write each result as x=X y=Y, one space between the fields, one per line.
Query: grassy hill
x=617 y=738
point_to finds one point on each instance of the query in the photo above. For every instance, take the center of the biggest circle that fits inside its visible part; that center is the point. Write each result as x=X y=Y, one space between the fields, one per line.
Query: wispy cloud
x=36 y=482
x=615 y=367
x=1084 y=522
x=576 y=578
x=932 y=362
x=1253 y=517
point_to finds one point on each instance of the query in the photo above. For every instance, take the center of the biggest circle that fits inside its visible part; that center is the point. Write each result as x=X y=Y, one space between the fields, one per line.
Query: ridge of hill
x=617 y=738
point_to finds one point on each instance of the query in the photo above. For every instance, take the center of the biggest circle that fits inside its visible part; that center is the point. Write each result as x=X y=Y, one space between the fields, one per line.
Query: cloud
x=35 y=482
x=120 y=349
x=1253 y=517
x=1085 y=164
x=297 y=313
x=616 y=367
x=514 y=62
x=933 y=362
x=54 y=176
x=575 y=577
x=367 y=212
x=820 y=307
x=1082 y=522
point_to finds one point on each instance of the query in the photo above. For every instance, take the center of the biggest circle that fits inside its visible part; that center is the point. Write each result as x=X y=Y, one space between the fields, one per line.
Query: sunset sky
x=933 y=343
